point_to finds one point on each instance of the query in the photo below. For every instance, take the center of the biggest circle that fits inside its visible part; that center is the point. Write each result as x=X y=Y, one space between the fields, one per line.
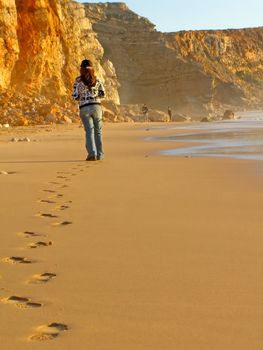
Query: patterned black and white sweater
x=85 y=95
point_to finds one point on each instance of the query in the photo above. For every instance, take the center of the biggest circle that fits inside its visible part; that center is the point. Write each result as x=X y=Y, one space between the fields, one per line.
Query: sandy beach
x=137 y=252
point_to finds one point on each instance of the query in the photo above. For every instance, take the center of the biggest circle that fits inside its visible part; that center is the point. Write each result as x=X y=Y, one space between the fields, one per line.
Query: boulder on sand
x=157 y=116
x=228 y=115
x=50 y=118
x=177 y=117
x=109 y=116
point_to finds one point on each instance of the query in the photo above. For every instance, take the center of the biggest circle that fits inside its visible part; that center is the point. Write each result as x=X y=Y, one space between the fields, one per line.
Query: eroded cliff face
x=194 y=72
x=42 y=44
x=233 y=58
x=8 y=41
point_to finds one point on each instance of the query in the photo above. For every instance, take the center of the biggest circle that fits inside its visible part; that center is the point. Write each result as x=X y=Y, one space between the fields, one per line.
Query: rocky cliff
x=8 y=41
x=42 y=43
x=232 y=58
x=194 y=72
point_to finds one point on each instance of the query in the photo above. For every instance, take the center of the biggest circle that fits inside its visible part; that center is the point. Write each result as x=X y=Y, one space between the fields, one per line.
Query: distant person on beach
x=88 y=90
x=169 y=114
x=145 y=111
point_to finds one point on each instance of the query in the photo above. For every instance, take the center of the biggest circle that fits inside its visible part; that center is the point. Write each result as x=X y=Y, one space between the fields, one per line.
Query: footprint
x=62 y=223
x=17 y=260
x=47 y=215
x=54 y=183
x=64 y=186
x=4 y=172
x=42 y=278
x=62 y=207
x=27 y=234
x=47 y=201
x=21 y=302
x=50 y=191
x=48 y=332
x=59 y=195
x=40 y=244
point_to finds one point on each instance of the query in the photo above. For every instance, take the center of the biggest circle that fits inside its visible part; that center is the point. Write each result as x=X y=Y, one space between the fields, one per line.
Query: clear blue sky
x=175 y=15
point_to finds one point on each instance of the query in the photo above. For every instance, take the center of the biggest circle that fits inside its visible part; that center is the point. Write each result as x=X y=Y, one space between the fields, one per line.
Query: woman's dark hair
x=86 y=63
x=89 y=78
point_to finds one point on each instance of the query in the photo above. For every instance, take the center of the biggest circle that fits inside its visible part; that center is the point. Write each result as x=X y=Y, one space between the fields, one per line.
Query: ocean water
x=241 y=138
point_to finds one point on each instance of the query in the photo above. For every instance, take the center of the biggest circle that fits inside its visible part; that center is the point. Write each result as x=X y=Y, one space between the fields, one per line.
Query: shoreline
x=146 y=251
x=233 y=140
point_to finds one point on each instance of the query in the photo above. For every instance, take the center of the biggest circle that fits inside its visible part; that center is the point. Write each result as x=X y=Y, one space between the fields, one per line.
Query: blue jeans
x=91 y=117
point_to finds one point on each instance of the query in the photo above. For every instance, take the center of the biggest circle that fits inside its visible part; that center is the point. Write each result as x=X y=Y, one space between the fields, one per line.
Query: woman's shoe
x=91 y=158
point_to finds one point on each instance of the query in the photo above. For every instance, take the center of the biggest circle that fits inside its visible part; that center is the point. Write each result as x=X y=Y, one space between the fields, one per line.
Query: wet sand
x=140 y=251
x=238 y=139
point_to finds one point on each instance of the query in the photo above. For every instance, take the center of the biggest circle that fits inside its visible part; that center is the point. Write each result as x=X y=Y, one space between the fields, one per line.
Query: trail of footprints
x=52 y=330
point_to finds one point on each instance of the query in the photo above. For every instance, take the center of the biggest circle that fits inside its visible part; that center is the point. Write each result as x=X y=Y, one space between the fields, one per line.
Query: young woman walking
x=88 y=90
